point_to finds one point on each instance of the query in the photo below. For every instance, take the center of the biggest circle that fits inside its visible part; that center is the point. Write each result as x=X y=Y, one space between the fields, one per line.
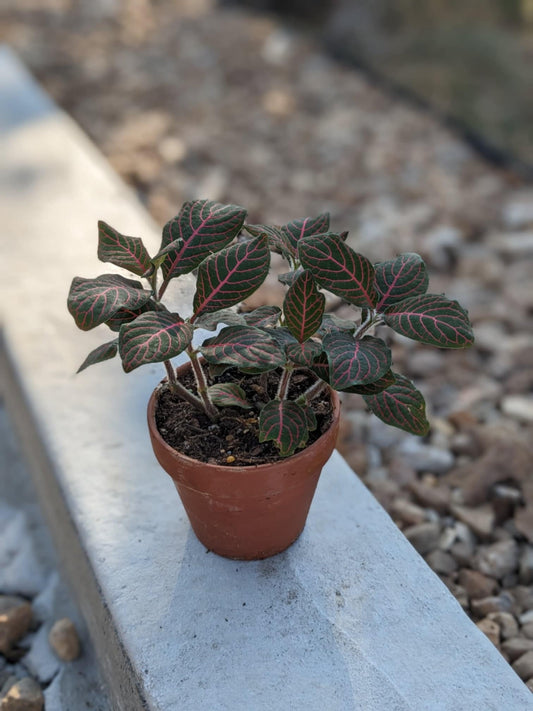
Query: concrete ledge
x=349 y=618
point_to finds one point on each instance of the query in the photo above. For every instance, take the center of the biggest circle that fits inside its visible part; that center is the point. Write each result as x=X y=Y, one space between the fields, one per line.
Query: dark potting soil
x=235 y=435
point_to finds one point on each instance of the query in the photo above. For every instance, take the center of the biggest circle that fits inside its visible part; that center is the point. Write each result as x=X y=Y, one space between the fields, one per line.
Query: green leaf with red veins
x=285 y=423
x=304 y=307
x=303 y=354
x=320 y=367
x=264 y=316
x=401 y=405
x=211 y=321
x=228 y=395
x=244 y=347
x=127 y=315
x=126 y=252
x=355 y=362
x=330 y=322
x=230 y=276
x=200 y=228
x=152 y=338
x=277 y=240
x=373 y=388
x=336 y=267
x=296 y=230
x=94 y=301
x=400 y=278
x=98 y=355
x=431 y=319
x=288 y=278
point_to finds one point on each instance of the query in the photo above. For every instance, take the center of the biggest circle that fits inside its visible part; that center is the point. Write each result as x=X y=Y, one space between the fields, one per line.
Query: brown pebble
x=64 y=640
x=230 y=459
x=491 y=629
x=476 y=584
x=523 y=666
x=25 y=695
x=15 y=619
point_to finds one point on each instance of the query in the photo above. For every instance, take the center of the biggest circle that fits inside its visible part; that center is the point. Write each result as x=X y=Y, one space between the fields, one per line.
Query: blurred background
x=412 y=123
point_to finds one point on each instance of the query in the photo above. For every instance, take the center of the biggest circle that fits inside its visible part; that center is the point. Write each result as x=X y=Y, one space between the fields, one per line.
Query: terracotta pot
x=251 y=512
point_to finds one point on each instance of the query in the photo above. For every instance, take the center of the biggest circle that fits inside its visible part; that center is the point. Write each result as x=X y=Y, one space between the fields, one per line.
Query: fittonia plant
x=232 y=259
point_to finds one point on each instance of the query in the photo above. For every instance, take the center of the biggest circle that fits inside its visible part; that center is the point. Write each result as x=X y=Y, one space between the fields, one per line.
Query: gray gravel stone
x=516 y=647
x=426 y=458
x=498 y=559
x=525 y=575
x=424 y=537
x=480 y=519
x=523 y=666
x=441 y=562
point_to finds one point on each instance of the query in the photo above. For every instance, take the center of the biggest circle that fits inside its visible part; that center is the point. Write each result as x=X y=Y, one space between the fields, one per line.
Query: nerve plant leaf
x=245 y=347
x=355 y=362
x=200 y=228
x=304 y=307
x=230 y=276
x=94 y=301
x=211 y=321
x=228 y=395
x=277 y=240
x=263 y=316
x=152 y=338
x=431 y=319
x=285 y=423
x=98 y=355
x=375 y=387
x=336 y=267
x=127 y=315
x=305 y=227
x=127 y=252
x=401 y=405
x=303 y=354
x=400 y=278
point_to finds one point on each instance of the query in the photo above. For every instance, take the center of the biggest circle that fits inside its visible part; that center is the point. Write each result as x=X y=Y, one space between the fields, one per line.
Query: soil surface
x=233 y=439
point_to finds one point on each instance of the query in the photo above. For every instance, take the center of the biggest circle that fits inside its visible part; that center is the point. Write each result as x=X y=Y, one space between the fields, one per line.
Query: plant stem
x=201 y=384
x=365 y=324
x=313 y=390
x=177 y=388
x=162 y=289
x=285 y=379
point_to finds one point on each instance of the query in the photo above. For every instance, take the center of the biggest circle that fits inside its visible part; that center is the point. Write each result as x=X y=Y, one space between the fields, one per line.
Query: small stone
x=434 y=497
x=497 y=603
x=424 y=537
x=476 y=584
x=529 y=684
x=441 y=562
x=526 y=617
x=527 y=630
x=507 y=622
x=518 y=211
x=426 y=458
x=15 y=619
x=64 y=640
x=458 y=592
x=525 y=574
x=517 y=646
x=278 y=102
x=519 y=407
x=490 y=629
x=523 y=666
x=25 y=695
x=172 y=149
x=408 y=512
x=498 y=559
x=479 y=519
x=523 y=596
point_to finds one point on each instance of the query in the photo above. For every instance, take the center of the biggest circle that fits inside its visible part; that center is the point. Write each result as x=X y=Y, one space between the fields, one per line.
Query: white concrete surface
x=350 y=618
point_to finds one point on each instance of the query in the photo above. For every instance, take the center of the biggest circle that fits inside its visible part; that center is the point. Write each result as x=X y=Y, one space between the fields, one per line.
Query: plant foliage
x=232 y=259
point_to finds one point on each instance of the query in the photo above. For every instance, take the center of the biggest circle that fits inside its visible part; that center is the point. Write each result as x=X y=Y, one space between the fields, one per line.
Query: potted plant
x=246 y=425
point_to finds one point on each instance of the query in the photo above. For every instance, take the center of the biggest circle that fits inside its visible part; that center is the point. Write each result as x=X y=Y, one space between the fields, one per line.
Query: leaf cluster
x=232 y=259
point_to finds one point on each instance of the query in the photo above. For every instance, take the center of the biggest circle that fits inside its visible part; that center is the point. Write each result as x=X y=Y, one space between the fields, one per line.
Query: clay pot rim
x=231 y=469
